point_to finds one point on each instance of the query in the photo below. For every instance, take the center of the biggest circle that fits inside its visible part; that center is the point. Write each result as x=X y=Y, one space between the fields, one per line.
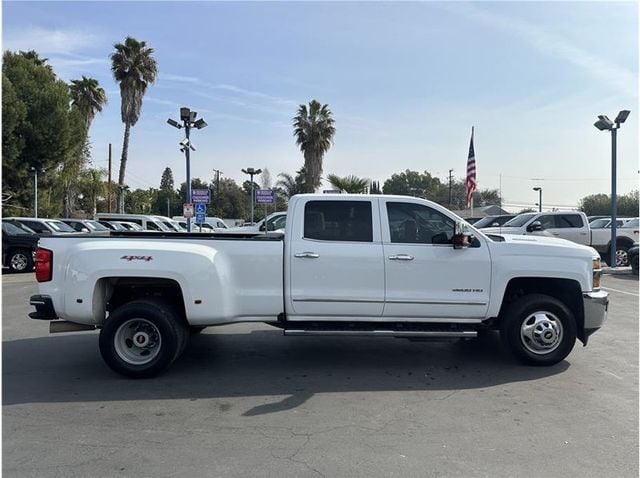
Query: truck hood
x=550 y=244
x=513 y=230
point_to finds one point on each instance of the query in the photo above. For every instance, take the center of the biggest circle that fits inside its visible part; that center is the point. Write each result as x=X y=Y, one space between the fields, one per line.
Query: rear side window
x=36 y=226
x=348 y=221
x=569 y=220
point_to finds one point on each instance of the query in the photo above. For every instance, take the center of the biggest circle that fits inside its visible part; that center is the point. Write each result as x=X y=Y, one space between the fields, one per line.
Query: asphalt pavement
x=245 y=401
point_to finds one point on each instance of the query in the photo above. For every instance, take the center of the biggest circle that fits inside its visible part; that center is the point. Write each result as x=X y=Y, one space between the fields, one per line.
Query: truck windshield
x=520 y=220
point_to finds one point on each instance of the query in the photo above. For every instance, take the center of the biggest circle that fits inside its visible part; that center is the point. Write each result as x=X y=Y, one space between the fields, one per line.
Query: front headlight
x=597 y=273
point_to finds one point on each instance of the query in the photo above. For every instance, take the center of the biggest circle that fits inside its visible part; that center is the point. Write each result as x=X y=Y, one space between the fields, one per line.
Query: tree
x=600 y=204
x=413 y=183
x=168 y=202
x=349 y=184
x=314 y=130
x=88 y=97
x=374 y=188
x=39 y=131
x=134 y=68
x=289 y=186
x=94 y=187
x=166 y=182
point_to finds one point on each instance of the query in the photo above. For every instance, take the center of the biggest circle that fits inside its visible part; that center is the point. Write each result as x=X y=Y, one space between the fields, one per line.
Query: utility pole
x=450 y=178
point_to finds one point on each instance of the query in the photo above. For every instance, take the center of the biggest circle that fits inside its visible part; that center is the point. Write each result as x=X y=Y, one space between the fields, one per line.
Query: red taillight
x=44 y=257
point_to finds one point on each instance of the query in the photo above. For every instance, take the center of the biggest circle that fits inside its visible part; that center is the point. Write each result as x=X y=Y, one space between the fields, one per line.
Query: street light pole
x=605 y=124
x=539 y=189
x=252 y=172
x=35 y=189
x=188 y=118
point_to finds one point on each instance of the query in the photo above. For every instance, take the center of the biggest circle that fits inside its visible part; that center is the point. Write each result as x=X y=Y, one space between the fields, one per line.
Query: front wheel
x=142 y=338
x=538 y=329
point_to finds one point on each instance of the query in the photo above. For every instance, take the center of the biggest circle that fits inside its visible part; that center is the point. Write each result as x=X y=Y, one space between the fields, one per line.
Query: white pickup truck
x=347 y=265
x=573 y=226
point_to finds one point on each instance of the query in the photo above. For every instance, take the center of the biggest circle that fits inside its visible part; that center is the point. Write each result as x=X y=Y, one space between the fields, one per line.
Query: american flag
x=470 y=183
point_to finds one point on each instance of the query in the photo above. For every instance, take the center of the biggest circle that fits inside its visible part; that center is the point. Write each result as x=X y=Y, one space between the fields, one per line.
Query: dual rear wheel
x=143 y=338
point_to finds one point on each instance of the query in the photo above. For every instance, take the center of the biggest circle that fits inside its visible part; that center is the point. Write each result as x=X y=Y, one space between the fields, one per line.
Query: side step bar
x=386 y=333
x=58 y=326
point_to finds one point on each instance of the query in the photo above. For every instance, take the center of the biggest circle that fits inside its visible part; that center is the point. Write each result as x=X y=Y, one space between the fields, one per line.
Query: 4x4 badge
x=137 y=258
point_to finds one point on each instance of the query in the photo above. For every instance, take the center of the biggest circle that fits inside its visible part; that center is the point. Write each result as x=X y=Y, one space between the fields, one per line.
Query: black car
x=633 y=258
x=18 y=247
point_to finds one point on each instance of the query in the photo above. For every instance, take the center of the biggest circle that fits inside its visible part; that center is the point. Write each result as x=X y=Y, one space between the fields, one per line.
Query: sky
x=406 y=81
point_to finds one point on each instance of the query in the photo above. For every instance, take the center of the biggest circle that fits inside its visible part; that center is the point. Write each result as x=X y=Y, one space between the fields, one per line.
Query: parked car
x=493 y=221
x=18 y=247
x=633 y=258
x=148 y=223
x=274 y=222
x=113 y=225
x=211 y=224
x=473 y=220
x=42 y=226
x=605 y=222
x=85 y=225
x=172 y=225
x=129 y=226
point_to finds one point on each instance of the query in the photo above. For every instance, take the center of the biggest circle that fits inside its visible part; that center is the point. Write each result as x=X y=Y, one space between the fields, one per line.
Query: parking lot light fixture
x=252 y=172
x=605 y=124
x=188 y=119
x=539 y=189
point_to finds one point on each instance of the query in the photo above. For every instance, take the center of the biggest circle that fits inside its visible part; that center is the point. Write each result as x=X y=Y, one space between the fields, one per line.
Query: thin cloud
x=50 y=41
x=553 y=45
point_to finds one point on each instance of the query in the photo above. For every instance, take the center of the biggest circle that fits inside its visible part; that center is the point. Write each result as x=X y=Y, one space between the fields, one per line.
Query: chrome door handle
x=401 y=257
x=307 y=255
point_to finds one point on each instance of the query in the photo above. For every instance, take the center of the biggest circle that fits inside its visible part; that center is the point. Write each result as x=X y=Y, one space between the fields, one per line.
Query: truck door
x=425 y=276
x=336 y=267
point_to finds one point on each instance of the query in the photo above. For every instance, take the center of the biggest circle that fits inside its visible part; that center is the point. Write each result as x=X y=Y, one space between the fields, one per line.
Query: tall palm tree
x=314 y=129
x=289 y=185
x=88 y=97
x=349 y=184
x=135 y=68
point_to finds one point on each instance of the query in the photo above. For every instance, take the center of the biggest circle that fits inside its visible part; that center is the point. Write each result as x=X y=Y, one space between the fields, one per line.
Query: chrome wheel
x=541 y=333
x=622 y=258
x=19 y=261
x=137 y=341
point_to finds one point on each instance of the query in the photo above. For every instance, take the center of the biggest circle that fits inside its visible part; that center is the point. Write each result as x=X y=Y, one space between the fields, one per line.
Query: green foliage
x=40 y=130
x=413 y=183
x=600 y=204
x=349 y=184
x=288 y=186
x=88 y=97
x=314 y=129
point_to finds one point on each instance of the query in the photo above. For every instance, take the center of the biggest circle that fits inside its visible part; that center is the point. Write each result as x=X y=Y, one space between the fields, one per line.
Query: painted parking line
x=621 y=291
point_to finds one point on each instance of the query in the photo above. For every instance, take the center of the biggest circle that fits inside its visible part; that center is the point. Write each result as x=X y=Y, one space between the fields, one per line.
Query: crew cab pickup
x=573 y=226
x=356 y=265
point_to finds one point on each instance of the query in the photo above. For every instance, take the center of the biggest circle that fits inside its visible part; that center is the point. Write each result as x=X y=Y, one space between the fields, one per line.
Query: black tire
x=634 y=264
x=156 y=327
x=20 y=260
x=538 y=329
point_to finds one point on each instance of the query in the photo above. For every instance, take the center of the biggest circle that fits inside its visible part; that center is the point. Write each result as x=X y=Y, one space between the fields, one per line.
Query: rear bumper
x=44 y=308
x=596 y=305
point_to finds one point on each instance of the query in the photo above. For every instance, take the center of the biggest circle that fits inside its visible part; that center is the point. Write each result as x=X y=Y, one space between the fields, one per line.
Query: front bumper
x=595 y=311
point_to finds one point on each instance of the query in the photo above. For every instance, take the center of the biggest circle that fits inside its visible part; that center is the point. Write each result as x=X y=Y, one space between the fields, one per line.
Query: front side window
x=416 y=223
x=278 y=222
x=547 y=221
x=349 y=221
x=36 y=226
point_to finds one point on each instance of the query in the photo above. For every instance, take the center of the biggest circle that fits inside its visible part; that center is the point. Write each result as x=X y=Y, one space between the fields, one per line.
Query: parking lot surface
x=244 y=400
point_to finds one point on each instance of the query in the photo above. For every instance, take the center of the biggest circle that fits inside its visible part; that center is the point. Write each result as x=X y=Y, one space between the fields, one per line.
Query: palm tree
x=349 y=184
x=314 y=130
x=135 y=68
x=88 y=97
x=94 y=186
x=291 y=186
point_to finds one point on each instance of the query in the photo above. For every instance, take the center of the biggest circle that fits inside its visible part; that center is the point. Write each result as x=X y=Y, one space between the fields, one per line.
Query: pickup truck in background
x=573 y=226
x=348 y=265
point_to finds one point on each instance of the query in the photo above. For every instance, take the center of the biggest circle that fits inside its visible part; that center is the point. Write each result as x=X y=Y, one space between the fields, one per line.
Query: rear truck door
x=425 y=276
x=336 y=267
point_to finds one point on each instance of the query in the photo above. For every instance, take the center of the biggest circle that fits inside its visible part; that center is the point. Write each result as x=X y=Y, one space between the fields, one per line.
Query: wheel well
x=120 y=290
x=567 y=291
x=621 y=241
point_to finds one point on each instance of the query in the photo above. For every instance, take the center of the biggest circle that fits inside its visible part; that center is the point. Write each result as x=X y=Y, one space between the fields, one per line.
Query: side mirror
x=495 y=224
x=535 y=226
x=462 y=237
x=263 y=227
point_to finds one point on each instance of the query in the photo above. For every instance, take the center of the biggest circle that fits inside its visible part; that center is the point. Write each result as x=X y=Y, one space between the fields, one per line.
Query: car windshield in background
x=96 y=226
x=520 y=220
x=60 y=226
x=599 y=223
x=8 y=228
